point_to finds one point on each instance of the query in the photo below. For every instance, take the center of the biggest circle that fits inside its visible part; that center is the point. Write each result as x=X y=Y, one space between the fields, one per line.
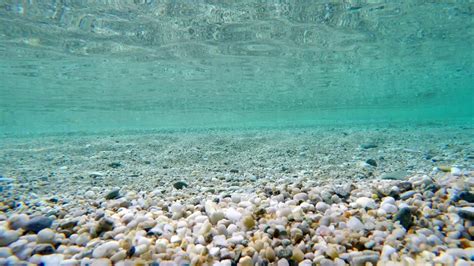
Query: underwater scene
x=252 y=132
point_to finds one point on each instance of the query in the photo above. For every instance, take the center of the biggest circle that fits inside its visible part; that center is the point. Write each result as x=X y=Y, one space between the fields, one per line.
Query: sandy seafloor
x=314 y=196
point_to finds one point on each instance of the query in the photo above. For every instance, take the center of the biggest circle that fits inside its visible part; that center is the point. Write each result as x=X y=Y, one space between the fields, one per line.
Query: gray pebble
x=38 y=223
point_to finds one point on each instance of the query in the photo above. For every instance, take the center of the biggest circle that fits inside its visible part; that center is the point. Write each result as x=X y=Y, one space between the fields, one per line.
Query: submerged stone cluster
x=423 y=219
x=338 y=197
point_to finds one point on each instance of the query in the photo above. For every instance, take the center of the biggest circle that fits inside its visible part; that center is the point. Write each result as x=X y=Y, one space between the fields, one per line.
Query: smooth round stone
x=233 y=215
x=248 y=222
x=54 y=259
x=17 y=221
x=387 y=251
x=105 y=250
x=355 y=224
x=236 y=198
x=270 y=254
x=298 y=255
x=38 y=223
x=300 y=196
x=5 y=252
x=283 y=262
x=389 y=208
x=245 y=261
x=45 y=236
x=322 y=206
x=365 y=202
x=216 y=216
x=82 y=239
x=89 y=194
x=7 y=237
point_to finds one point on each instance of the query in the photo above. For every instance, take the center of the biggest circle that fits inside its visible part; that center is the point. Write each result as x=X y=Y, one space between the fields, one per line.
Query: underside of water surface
x=94 y=66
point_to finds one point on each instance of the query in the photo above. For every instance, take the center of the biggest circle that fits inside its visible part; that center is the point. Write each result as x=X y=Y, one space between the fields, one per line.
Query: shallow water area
x=145 y=132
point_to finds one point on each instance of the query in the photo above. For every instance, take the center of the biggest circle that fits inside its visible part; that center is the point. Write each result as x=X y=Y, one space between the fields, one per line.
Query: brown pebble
x=270 y=254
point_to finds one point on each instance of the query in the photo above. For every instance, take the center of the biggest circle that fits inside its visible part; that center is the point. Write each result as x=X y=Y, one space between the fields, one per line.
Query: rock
x=216 y=217
x=248 y=222
x=105 y=224
x=298 y=255
x=368 y=145
x=7 y=237
x=285 y=253
x=363 y=259
x=397 y=175
x=300 y=196
x=355 y=224
x=43 y=249
x=371 y=162
x=404 y=216
x=466 y=213
x=38 y=223
x=407 y=195
x=106 y=249
x=387 y=251
x=17 y=221
x=365 y=202
x=5 y=252
x=467 y=196
x=233 y=214
x=270 y=254
x=456 y=171
x=245 y=261
x=55 y=259
x=114 y=194
x=45 y=236
x=180 y=185
x=389 y=208
x=115 y=164
x=89 y=194
x=322 y=206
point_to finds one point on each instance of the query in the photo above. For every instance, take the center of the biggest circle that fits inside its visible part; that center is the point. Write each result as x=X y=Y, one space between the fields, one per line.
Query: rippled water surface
x=92 y=65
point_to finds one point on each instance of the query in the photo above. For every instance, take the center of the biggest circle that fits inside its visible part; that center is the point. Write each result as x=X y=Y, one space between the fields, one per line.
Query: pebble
x=180 y=185
x=43 y=249
x=89 y=194
x=248 y=222
x=404 y=216
x=371 y=162
x=45 y=236
x=114 y=194
x=17 y=221
x=407 y=194
x=7 y=237
x=106 y=249
x=322 y=206
x=467 y=213
x=355 y=224
x=366 y=203
x=38 y=223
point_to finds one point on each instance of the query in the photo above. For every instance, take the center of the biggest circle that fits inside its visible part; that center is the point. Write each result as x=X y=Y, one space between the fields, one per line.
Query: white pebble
x=387 y=251
x=105 y=250
x=355 y=224
x=45 y=236
x=322 y=206
x=89 y=194
x=365 y=202
x=233 y=215
x=389 y=208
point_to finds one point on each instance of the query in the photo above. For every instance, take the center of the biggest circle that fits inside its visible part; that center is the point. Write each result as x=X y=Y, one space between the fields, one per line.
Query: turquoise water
x=93 y=66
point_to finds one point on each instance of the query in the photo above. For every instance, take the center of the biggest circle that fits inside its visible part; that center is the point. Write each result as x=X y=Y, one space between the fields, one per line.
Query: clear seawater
x=120 y=65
